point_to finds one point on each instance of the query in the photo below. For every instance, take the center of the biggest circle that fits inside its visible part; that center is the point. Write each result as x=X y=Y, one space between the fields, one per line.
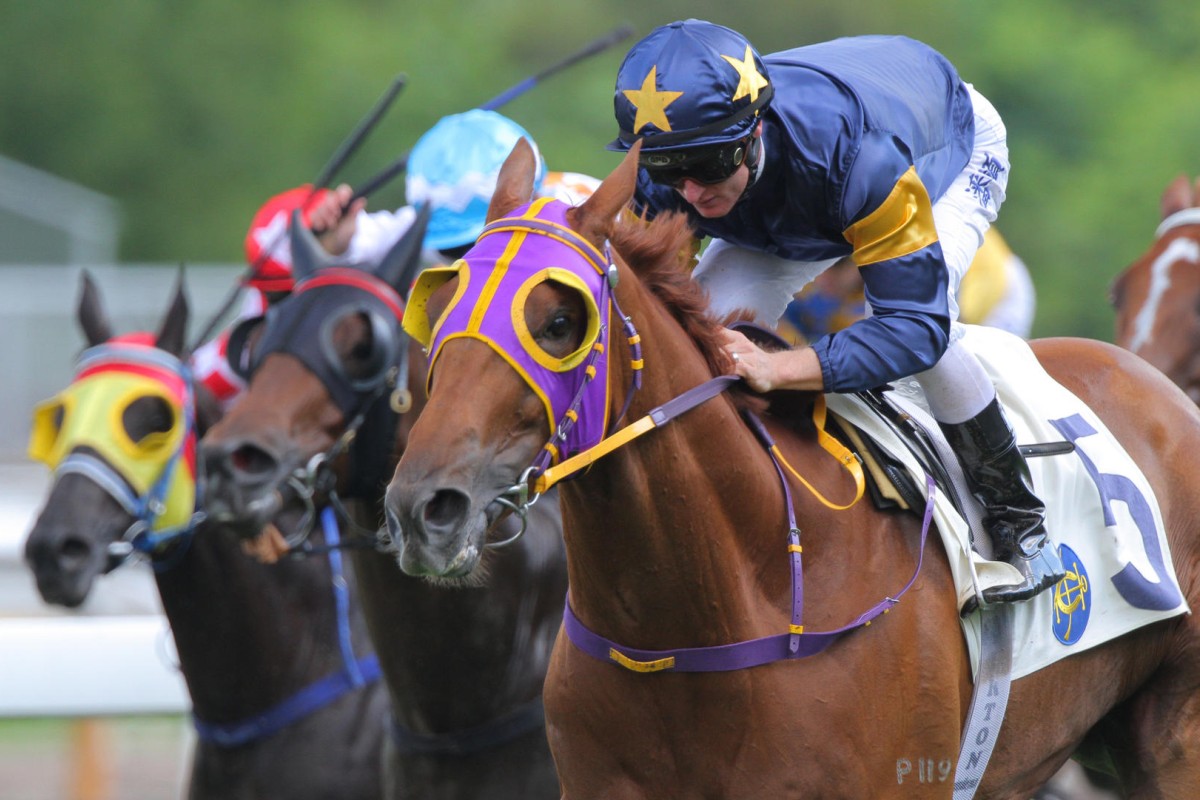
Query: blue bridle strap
x=355 y=672
x=341 y=593
x=307 y=701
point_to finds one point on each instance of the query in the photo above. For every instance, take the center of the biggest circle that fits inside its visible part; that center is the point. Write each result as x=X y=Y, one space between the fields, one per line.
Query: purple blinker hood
x=513 y=256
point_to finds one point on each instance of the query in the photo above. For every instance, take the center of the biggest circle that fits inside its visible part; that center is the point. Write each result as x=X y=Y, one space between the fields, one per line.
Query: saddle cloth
x=1100 y=511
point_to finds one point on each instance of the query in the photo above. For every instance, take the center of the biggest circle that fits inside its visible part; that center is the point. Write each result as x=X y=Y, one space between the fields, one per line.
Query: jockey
x=870 y=147
x=453 y=166
x=996 y=291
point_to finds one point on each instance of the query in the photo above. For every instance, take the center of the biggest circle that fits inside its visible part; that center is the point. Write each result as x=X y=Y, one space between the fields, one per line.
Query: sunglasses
x=706 y=165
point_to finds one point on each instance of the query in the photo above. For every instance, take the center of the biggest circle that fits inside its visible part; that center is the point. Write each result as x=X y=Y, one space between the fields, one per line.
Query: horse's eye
x=362 y=350
x=559 y=327
x=148 y=421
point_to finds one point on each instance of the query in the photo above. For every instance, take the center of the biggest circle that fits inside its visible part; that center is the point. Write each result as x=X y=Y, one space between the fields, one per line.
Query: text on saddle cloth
x=1100 y=511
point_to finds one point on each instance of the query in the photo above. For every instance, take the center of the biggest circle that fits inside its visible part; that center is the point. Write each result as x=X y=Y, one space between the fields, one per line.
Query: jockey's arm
x=890 y=226
x=896 y=248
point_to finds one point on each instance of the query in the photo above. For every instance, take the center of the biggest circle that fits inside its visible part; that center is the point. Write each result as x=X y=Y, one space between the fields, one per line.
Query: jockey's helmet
x=268 y=245
x=690 y=85
x=454 y=167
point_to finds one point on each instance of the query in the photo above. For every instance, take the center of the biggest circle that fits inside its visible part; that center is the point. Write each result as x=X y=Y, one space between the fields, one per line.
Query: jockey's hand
x=764 y=372
x=336 y=226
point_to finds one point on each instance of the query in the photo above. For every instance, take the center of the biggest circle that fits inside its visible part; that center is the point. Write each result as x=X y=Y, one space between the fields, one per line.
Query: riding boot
x=998 y=477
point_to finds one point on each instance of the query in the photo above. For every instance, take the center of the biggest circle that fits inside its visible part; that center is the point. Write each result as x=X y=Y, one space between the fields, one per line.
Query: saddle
x=893 y=485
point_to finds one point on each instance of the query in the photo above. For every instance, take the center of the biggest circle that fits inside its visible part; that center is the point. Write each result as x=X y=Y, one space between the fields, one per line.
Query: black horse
x=284 y=701
x=464 y=660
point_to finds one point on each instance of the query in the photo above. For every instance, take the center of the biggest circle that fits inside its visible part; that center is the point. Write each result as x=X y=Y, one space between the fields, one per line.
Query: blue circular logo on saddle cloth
x=1072 y=599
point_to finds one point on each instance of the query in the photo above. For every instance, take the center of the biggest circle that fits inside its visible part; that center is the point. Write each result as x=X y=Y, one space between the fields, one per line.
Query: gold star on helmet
x=749 y=78
x=651 y=104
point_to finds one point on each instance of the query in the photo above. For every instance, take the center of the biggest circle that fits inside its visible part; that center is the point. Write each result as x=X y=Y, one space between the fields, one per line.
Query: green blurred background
x=191 y=114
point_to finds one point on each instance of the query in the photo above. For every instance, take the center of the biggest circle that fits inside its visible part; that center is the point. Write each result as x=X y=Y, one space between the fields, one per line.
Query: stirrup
x=1037 y=579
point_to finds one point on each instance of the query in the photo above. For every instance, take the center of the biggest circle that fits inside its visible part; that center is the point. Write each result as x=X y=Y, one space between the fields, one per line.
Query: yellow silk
x=986 y=282
x=902 y=224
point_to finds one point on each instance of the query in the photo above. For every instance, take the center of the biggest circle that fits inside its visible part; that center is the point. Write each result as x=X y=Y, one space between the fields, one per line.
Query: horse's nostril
x=252 y=460
x=74 y=551
x=446 y=508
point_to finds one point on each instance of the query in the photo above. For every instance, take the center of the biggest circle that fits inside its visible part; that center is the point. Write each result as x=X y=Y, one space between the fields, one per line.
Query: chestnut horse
x=1157 y=298
x=464 y=660
x=281 y=708
x=677 y=538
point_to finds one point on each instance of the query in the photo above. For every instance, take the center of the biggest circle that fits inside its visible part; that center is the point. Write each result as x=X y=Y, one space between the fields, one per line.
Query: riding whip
x=339 y=158
x=590 y=49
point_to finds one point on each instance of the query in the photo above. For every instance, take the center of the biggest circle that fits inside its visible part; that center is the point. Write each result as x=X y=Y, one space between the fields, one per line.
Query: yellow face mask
x=92 y=413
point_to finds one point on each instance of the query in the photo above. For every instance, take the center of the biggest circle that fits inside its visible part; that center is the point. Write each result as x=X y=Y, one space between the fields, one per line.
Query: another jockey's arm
x=336 y=221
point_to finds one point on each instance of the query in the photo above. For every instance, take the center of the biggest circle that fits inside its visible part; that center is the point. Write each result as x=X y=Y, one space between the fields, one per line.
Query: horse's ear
x=307 y=254
x=595 y=217
x=399 y=266
x=173 y=329
x=93 y=320
x=1177 y=196
x=514 y=186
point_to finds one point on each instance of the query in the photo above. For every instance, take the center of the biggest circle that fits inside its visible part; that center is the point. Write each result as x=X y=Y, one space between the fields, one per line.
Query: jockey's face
x=713 y=200
x=711 y=179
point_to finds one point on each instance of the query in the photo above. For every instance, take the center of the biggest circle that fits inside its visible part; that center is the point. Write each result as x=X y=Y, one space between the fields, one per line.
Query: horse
x=1157 y=298
x=281 y=706
x=464 y=660
x=682 y=534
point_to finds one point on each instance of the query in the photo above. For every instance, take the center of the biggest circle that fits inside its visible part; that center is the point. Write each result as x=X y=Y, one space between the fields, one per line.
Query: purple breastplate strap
x=796 y=643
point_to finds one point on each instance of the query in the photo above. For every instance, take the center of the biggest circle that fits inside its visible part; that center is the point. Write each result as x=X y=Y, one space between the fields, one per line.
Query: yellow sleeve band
x=902 y=224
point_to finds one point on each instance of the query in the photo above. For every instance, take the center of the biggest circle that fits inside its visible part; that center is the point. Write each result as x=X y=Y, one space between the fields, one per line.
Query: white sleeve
x=375 y=233
x=737 y=278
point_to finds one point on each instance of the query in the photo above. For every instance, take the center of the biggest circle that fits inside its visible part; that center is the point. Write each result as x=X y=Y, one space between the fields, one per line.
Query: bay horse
x=1157 y=298
x=677 y=538
x=281 y=706
x=464 y=660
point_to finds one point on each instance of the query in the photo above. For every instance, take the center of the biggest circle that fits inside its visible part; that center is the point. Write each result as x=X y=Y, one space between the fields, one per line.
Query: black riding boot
x=1014 y=516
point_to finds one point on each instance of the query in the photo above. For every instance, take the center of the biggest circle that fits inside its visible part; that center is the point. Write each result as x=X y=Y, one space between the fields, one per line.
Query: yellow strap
x=640 y=666
x=587 y=457
x=627 y=434
x=834 y=448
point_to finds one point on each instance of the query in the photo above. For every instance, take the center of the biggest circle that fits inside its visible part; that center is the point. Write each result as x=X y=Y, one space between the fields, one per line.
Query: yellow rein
x=627 y=434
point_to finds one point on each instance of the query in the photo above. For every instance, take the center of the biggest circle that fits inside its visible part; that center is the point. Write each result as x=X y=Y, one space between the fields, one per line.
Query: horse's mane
x=658 y=251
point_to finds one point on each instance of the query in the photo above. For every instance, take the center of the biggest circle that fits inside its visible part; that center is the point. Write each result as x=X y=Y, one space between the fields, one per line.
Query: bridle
x=302 y=326
x=1187 y=216
x=574 y=389
x=162 y=512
